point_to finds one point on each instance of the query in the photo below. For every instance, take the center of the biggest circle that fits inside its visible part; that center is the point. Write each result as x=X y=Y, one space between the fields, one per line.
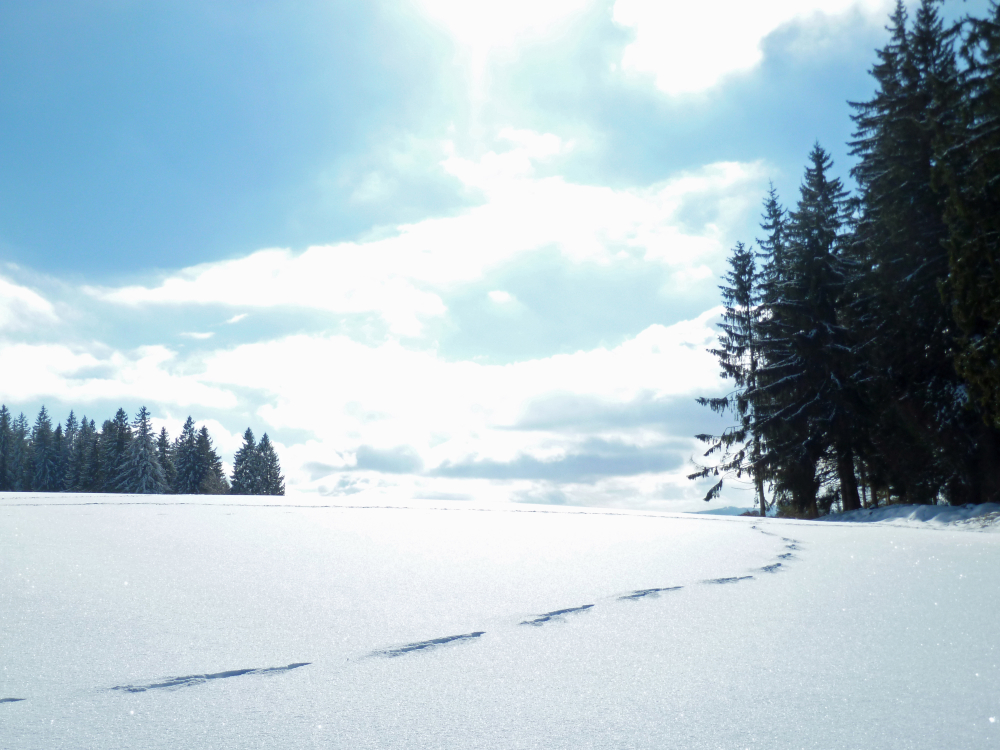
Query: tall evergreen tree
x=247 y=468
x=142 y=472
x=213 y=478
x=115 y=437
x=739 y=447
x=42 y=454
x=59 y=455
x=187 y=462
x=6 y=445
x=165 y=456
x=807 y=381
x=970 y=170
x=272 y=481
x=18 y=467
x=91 y=478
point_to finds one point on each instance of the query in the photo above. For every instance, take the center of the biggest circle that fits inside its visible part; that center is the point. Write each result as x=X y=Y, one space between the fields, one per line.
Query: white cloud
x=349 y=394
x=22 y=308
x=500 y=297
x=237 y=318
x=488 y=24
x=402 y=277
x=198 y=336
x=689 y=47
x=77 y=376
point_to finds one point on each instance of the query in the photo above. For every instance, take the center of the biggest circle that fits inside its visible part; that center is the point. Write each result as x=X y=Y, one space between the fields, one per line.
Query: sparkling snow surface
x=188 y=622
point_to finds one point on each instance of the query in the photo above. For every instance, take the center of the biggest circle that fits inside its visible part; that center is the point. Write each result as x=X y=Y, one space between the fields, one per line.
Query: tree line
x=862 y=335
x=128 y=457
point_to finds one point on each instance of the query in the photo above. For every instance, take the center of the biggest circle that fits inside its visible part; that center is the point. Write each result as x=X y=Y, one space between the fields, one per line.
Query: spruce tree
x=59 y=455
x=115 y=437
x=18 y=466
x=186 y=461
x=272 y=481
x=42 y=454
x=970 y=170
x=91 y=476
x=246 y=467
x=6 y=445
x=739 y=446
x=142 y=472
x=807 y=380
x=213 y=478
x=165 y=456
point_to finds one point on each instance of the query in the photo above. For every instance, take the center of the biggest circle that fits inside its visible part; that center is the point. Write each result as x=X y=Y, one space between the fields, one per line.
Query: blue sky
x=433 y=248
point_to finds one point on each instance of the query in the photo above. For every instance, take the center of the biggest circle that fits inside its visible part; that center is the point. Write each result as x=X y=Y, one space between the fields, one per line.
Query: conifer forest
x=861 y=333
x=128 y=457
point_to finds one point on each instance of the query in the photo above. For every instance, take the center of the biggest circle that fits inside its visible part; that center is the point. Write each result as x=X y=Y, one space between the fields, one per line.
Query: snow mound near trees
x=985 y=517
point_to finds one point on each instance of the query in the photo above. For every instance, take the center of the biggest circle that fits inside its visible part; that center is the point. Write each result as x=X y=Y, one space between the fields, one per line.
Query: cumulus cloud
x=78 y=376
x=689 y=47
x=21 y=308
x=402 y=278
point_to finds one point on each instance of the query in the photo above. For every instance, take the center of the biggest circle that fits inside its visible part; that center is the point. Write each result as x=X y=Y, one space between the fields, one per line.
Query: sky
x=435 y=249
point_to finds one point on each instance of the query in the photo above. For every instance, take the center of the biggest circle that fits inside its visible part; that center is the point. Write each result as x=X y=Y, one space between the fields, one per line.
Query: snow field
x=865 y=636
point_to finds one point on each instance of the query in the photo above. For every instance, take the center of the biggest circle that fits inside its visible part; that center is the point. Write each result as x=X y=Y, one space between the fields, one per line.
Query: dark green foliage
x=142 y=472
x=18 y=466
x=212 y=479
x=271 y=480
x=246 y=466
x=116 y=434
x=186 y=462
x=739 y=448
x=971 y=173
x=879 y=317
x=6 y=444
x=164 y=455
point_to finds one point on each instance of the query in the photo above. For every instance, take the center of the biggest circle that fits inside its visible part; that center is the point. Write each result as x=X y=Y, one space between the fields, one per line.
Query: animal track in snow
x=172 y=683
x=12 y=700
x=556 y=614
x=732 y=579
x=421 y=645
x=772 y=568
x=640 y=593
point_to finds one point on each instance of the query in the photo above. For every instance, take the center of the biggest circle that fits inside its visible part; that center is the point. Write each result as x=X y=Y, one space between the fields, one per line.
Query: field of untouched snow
x=194 y=622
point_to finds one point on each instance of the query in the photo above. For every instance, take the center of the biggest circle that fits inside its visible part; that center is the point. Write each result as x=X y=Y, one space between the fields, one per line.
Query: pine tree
x=246 y=467
x=273 y=483
x=6 y=445
x=739 y=447
x=59 y=455
x=806 y=382
x=89 y=478
x=165 y=456
x=213 y=478
x=42 y=454
x=970 y=168
x=186 y=461
x=18 y=466
x=142 y=472
x=115 y=437
x=69 y=446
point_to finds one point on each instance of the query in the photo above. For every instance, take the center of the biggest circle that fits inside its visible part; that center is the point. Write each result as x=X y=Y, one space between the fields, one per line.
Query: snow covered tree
x=739 y=446
x=246 y=467
x=272 y=481
x=806 y=381
x=142 y=472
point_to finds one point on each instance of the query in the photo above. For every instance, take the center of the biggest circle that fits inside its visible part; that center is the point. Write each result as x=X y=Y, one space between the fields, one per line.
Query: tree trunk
x=848 y=481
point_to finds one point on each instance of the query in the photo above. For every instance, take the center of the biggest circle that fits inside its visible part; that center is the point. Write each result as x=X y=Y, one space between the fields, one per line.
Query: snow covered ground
x=194 y=622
